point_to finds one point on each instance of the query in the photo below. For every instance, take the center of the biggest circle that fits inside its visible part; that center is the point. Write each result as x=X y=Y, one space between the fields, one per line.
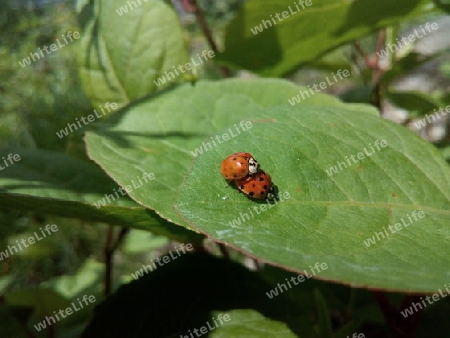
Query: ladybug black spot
x=235 y=175
x=265 y=187
x=254 y=185
x=261 y=179
x=234 y=158
x=251 y=193
x=242 y=187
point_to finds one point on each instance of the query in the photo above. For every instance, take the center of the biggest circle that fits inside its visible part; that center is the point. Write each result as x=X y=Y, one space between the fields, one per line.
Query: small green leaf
x=443 y=4
x=43 y=300
x=58 y=184
x=249 y=324
x=444 y=67
x=416 y=103
x=138 y=241
x=125 y=50
x=304 y=35
x=5 y=281
x=404 y=66
x=362 y=94
x=445 y=153
x=88 y=277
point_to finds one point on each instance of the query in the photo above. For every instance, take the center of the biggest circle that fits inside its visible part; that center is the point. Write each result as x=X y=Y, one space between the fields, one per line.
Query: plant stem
x=192 y=6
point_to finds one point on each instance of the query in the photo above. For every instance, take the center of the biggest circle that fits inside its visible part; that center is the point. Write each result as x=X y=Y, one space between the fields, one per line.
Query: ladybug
x=258 y=186
x=238 y=165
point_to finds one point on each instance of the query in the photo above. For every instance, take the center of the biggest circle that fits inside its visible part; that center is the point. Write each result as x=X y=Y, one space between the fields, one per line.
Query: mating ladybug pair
x=243 y=169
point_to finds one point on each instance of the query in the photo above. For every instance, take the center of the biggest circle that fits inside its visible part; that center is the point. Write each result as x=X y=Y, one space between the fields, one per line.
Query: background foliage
x=158 y=128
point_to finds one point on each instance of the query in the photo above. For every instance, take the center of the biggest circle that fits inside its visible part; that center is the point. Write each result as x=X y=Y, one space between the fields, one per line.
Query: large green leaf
x=58 y=184
x=329 y=217
x=160 y=135
x=307 y=34
x=123 y=53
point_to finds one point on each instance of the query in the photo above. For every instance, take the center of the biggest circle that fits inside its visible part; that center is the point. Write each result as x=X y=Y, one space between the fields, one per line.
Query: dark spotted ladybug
x=258 y=186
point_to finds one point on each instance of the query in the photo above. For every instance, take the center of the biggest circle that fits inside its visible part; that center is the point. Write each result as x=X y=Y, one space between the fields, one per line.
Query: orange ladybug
x=239 y=165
